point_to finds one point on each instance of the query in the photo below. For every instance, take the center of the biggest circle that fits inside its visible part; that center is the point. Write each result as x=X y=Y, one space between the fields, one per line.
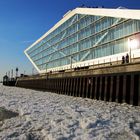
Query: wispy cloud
x=27 y=41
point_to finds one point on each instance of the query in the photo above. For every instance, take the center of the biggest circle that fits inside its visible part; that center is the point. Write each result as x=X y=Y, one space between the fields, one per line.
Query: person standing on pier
x=123 y=59
x=127 y=58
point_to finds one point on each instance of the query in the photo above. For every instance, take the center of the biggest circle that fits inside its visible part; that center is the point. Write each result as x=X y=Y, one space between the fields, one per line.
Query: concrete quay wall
x=119 y=83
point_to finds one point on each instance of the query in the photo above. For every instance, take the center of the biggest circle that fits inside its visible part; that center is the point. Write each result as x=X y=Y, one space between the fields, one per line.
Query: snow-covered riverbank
x=44 y=115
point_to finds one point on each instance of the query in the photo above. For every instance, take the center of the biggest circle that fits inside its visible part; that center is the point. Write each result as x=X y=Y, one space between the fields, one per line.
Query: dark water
x=6 y=114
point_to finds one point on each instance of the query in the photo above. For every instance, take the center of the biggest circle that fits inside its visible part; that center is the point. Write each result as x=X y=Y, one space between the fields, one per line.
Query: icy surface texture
x=49 y=116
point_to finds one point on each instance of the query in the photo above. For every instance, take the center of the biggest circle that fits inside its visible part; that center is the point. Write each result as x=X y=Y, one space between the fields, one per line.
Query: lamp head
x=132 y=43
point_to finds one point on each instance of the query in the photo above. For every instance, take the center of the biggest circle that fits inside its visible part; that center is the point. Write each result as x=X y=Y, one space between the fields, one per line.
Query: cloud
x=27 y=41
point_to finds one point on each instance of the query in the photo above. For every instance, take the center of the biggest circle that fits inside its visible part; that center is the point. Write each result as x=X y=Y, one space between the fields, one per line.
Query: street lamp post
x=71 y=62
x=46 y=67
x=32 y=71
x=132 y=43
x=130 y=51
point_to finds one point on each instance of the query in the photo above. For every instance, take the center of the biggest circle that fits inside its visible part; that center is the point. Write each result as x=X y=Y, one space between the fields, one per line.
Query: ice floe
x=50 y=116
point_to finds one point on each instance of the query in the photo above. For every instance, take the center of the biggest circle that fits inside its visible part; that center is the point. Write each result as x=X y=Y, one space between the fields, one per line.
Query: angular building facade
x=87 y=36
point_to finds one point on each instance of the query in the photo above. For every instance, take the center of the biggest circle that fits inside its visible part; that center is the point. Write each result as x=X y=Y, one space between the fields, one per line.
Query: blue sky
x=24 y=21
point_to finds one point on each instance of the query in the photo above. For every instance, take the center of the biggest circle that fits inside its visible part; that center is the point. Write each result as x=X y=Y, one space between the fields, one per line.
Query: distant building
x=5 y=78
x=87 y=36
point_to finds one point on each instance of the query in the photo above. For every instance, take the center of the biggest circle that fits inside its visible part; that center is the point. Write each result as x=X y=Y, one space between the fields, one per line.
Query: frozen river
x=49 y=116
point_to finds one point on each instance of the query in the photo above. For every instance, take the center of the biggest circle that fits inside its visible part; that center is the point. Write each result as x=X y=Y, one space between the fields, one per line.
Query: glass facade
x=82 y=38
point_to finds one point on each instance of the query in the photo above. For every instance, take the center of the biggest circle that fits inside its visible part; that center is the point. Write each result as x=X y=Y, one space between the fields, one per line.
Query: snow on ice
x=49 y=116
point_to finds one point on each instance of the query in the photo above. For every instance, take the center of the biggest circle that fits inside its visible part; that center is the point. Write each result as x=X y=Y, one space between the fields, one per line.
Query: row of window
x=56 y=34
x=97 y=52
x=119 y=31
x=90 y=37
x=63 y=41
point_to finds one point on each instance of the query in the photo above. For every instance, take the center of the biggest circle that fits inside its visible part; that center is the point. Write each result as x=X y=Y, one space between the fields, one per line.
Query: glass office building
x=87 y=36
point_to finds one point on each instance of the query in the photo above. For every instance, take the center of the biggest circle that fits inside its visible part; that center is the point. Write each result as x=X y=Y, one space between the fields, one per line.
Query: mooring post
x=108 y=87
x=77 y=87
x=105 y=92
x=136 y=89
x=100 y=87
x=80 y=87
x=74 y=87
x=139 y=90
x=55 y=85
x=88 y=87
x=71 y=88
x=132 y=89
x=124 y=89
x=60 y=83
x=54 y=80
x=69 y=85
x=95 y=89
x=83 y=89
x=111 y=88
x=59 y=86
x=66 y=86
x=117 y=88
x=63 y=86
x=91 y=89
